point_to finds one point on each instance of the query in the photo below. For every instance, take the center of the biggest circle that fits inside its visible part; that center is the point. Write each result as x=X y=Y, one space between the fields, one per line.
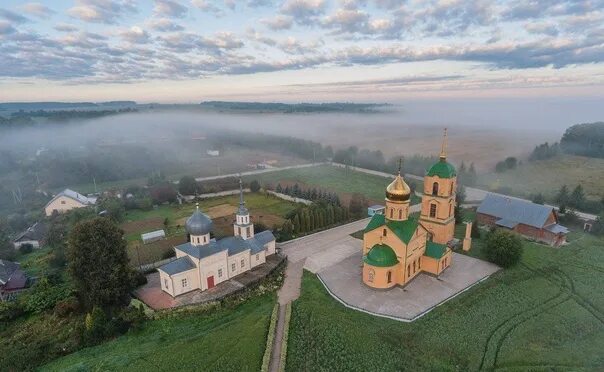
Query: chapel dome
x=442 y=169
x=199 y=223
x=398 y=190
x=381 y=255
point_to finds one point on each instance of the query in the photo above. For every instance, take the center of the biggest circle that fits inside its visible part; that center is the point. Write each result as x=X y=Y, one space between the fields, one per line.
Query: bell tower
x=243 y=227
x=438 y=200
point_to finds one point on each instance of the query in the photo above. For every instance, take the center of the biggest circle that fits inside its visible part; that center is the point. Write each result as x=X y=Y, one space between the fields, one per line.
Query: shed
x=153 y=236
x=375 y=209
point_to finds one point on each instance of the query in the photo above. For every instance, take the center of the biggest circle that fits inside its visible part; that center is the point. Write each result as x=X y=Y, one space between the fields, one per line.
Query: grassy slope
x=330 y=178
x=547 y=176
x=548 y=311
x=225 y=340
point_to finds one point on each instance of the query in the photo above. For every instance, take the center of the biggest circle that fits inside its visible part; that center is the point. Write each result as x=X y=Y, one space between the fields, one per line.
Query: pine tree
x=279 y=189
x=296 y=223
x=562 y=197
x=577 y=197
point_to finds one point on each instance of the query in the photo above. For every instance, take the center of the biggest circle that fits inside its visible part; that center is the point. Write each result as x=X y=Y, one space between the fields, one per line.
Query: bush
x=140 y=278
x=10 y=311
x=254 y=186
x=26 y=248
x=45 y=295
x=503 y=248
x=168 y=254
x=67 y=307
x=95 y=325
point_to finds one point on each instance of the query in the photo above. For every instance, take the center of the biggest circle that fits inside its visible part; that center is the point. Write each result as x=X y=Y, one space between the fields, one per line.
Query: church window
x=220 y=273
x=232 y=267
x=242 y=263
x=248 y=232
x=452 y=188
x=389 y=276
x=435 y=188
x=184 y=282
x=414 y=267
x=400 y=214
x=238 y=230
x=62 y=201
x=419 y=263
x=371 y=275
x=430 y=236
x=450 y=209
x=391 y=212
x=409 y=270
x=385 y=232
x=257 y=256
x=432 y=210
x=166 y=283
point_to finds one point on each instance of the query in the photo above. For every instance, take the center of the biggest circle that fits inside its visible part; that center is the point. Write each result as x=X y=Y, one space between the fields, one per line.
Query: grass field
x=268 y=210
x=547 y=176
x=223 y=340
x=545 y=314
x=334 y=179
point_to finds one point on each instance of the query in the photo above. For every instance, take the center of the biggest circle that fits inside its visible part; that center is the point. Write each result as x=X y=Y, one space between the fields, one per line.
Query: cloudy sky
x=299 y=50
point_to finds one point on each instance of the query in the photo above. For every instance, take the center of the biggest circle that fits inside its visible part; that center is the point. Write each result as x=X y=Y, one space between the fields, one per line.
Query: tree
x=358 y=205
x=562 y=197
x=114 y=207
x=255 y=186
x=98 y=263
x=7 y=250
x=503 y=248
x=577 y=197
x=162 y=193
x=538 y=199
x=188 y=186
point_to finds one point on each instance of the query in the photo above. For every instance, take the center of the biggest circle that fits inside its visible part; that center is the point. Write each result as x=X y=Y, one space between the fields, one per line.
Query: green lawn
x=545 y=314
x=223 y=340
x=331 y=178
x=547 y=176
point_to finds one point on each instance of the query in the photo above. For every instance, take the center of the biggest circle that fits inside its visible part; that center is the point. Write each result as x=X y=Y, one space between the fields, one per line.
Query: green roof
x=403 y=229
x=442 y=169
x=381 y=255
x=435 y=250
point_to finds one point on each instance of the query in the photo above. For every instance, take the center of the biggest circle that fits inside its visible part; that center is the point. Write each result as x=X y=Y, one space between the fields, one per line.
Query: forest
x=584 y=140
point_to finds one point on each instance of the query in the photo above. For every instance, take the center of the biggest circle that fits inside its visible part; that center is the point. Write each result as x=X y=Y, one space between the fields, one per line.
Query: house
x=12 y=280
x=375 y=209
x=34 y=235
x=397 y=246
x=67 y=200
x=153 y=236
x=204 y=262
x=534 y=221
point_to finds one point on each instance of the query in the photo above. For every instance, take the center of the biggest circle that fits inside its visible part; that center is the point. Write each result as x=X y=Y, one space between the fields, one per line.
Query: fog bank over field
x=481 y=131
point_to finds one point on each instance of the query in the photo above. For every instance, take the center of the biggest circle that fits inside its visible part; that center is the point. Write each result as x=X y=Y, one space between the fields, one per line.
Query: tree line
x=313 y=194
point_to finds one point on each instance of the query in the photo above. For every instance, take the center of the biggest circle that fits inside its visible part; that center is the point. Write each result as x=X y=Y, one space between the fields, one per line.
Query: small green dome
x=381 y=255
x=442 y=169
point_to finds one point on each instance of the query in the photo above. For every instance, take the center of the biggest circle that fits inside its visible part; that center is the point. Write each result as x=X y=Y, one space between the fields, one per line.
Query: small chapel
x=397 y=246
x=204 y=262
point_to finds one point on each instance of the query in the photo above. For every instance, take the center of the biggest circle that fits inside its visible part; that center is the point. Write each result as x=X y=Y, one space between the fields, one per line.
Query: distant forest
x=293 y=108
x=584 y=139
x=27 y=118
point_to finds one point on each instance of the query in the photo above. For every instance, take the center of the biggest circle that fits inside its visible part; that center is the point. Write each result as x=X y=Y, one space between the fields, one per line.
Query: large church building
x=204 y=262
x=397 y=246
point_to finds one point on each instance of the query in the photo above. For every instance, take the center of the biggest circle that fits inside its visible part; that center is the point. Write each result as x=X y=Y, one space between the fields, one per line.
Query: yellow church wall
x=377 y=277
x=434 y=266
x=441 y=234
x=446 y=186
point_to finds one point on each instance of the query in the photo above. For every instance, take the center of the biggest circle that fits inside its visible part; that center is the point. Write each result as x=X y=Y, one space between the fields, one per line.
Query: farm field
x=547 y=313
x=334 y=179
x=228 y=339
x=547 y=176
x=265 y=209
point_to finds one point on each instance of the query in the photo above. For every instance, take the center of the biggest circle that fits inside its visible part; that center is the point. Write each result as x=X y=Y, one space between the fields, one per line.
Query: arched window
x=385 y=232
x=435 y=188
x=414 y=267
x=452 y=184
x=389 y=276
x=432 y=210
x=400 y=214
x=430 y=236
x=450 y=208
x=419 y=263
x=391 y=212
x=409 y=270
x=371 y=275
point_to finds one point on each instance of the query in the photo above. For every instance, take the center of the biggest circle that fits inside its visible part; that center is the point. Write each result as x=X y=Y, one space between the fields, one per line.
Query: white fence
x=289 y=198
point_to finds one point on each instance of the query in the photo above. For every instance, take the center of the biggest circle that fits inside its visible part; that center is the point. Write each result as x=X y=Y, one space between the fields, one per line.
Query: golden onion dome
x=398 y=190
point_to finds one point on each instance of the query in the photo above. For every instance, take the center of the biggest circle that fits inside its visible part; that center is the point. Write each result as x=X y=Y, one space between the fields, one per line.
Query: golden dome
x=398 y=190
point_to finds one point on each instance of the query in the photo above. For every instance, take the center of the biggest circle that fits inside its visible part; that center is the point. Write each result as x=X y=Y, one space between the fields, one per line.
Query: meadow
x=547 y=176
x=227 y=339
x=334 y=179
x=547 y=313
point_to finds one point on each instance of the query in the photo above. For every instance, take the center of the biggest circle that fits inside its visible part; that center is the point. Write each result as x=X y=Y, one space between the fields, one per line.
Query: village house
x=534 y=221
x=34 y=235
x=67 y=200
x=12 y=280
x=204 y=262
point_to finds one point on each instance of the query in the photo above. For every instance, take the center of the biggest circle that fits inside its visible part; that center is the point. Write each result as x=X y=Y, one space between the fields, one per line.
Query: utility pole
x=94 y=181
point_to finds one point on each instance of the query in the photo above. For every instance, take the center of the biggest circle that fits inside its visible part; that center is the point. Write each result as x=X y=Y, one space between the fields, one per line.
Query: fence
x=289 y=198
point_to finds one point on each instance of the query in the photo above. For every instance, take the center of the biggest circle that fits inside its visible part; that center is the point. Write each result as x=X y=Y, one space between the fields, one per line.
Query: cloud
x=65 y=27
x=37 y=9
x=304 y=11
x=169 y=8
x=12 y=16
x=279 y=22
x=6 y=28
x=206 y=6
x=347 y=20
x=164 y=25
x=259 y=3
x=135 y=35
x=542 y=28
x=102 y=11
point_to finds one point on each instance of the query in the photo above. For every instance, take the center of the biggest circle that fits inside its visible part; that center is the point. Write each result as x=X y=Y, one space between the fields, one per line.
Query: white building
x=67 y=200
x=203 y=262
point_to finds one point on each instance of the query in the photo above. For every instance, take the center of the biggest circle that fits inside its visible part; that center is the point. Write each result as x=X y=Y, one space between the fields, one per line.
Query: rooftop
x=512 y=210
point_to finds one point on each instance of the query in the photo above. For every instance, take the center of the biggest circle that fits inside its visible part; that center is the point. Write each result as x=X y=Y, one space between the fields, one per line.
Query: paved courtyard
x=152 y=295
x=420 y=296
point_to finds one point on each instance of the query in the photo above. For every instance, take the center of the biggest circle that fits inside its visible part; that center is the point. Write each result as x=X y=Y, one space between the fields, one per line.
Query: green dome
x=442 y=169
x=381 y=255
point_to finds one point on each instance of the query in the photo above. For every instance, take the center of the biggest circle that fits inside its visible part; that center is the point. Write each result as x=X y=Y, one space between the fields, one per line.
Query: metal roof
x=506 y=223
x=75 y=196
x=36 y=232
x=517 y=210
x=153 y=234
x=234 y=244
x=199 y=223
x=557 y=229
x=7 y=269
x=201 y=251
x=264 y=237
x=180 y=265
x=377 y=206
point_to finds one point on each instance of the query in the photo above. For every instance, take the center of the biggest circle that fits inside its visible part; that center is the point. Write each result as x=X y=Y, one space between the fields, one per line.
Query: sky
x=300 y=50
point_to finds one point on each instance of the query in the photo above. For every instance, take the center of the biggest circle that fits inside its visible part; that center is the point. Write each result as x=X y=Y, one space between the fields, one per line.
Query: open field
x=339 y=180
x=228 y=339
x=265 y=209
x=545 y=314
x=547 y=176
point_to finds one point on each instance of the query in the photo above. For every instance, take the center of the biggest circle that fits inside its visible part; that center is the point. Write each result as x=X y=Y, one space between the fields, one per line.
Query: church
x=204 y=262
x=397 y=246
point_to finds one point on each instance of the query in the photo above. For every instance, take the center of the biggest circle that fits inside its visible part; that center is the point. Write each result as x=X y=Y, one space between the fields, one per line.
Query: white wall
x=236 y=259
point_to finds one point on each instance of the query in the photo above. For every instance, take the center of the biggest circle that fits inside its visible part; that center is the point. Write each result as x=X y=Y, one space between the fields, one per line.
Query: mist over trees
x=584 y=139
